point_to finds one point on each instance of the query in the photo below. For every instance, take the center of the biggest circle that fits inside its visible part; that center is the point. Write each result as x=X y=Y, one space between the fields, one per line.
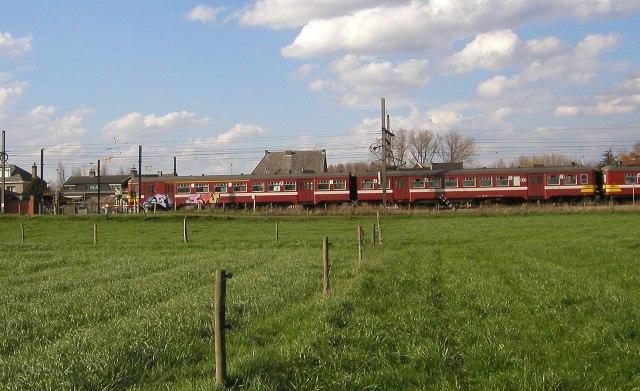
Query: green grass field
x=473 y=302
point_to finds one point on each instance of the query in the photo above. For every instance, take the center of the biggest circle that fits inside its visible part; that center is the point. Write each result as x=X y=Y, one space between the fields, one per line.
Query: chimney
x=34 y=171
x=92 y=172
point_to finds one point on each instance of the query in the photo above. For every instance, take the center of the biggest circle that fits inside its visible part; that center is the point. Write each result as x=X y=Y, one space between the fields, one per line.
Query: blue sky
x=217 y=82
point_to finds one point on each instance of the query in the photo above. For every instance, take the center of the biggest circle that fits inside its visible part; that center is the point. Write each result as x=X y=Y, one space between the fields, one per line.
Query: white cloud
x=14 y=47
x=566 y=111
x=543 y=46
x=304 y=71
x=499 y=115
x=240 y=131
x=492 y=87
x=423 y=25
x=203 y=14
x=139 y=125
x=624 y=98
x=12 y=93
x=360 y=79
x=489 y=51
x=293 y=13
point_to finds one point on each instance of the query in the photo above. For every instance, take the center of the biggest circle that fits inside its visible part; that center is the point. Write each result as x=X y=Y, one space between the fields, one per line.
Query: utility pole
x=98 y=186
x=386 y=143
x=139 y=176
x=42 y=177
x=3 y=157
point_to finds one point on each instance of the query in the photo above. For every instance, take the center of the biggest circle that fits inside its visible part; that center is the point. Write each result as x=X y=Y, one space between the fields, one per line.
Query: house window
x=367 y=184
x=114 y=186
x=257 y=187
x=584 y=179
x=339 y=185
x=322 y=185
x=469 y=182
x=570 y=180
x=68 y=187
x=435 y=183
x=630 y=179
x=12 y=188
x=274 y=186
x=486 y=181
x=182 y=189
x=92 y=187
x=502 y=181
x=240 y=187
x=451 y=182
x=289 y=186
x=417 y=183
x=203 y=188
x=553 y=180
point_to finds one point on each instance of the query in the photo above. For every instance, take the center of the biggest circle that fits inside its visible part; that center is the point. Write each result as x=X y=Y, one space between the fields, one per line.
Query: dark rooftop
x=292 y=162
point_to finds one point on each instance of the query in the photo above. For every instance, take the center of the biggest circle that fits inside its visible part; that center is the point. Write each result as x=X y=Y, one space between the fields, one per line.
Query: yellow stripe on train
x=588 y=189
x=611 y=189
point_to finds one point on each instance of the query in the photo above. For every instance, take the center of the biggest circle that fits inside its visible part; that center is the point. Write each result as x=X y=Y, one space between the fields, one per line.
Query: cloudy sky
x=217 y=82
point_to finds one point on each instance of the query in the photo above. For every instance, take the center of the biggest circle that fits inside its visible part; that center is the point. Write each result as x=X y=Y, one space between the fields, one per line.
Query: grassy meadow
x=449 y=301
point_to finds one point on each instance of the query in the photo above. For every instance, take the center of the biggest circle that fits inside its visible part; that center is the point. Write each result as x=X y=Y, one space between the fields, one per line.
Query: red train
x=403 y=186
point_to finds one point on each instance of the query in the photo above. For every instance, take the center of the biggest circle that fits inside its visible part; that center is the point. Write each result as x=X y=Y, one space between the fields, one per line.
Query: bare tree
x=399 y=148
x=104 y=168
x=423 y=146
x=77 y=171
x=636 y=148
x=61 y=173
x=352 y=167
x=547 y=159
x=454 y=147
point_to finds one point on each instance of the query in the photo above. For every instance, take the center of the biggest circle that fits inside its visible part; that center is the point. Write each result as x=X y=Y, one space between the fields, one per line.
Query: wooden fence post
x=95 y=234
x=379 y=228
x=184 y=231
x=373 y=235
x=276 y=232
x=360 y=232
x=219 y=310
x=325 y=265
x=22 y=231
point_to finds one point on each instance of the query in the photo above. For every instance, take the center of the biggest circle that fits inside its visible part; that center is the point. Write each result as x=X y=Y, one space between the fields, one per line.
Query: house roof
x=89 y=179
x=18 y=174
x=292 y=162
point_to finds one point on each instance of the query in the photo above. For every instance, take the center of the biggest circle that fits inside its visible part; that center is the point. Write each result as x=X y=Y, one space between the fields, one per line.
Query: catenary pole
x=383 y=176
x=3 y=157
x=98 y=186
x=139 y=177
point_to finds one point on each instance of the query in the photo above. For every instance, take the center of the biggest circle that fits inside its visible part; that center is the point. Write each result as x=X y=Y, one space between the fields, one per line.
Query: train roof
x=506 y=170
x=241 y=177
x=621 y=168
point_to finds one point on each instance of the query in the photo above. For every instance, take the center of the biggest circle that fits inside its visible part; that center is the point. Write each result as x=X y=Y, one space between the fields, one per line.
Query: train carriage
x=620 y=181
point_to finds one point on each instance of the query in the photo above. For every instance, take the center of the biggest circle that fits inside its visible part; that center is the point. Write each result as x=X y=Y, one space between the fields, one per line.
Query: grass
x=544 y=301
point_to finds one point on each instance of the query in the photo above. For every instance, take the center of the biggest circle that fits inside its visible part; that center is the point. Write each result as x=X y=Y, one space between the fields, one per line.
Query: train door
x=535 y=186
x=305 y=190
x=400 y=189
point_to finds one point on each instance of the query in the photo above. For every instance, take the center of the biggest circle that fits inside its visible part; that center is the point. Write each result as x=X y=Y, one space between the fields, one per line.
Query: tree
x=61 y=173
x=608 y=158
x=636 y=148
x=423 y=146
x=77 y=171
x=454 y=147
x=399 y=148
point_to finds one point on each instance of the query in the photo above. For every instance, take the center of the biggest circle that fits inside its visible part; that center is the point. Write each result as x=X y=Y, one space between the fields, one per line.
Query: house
x=86 y=187
x=20 y=183
x=292 y=162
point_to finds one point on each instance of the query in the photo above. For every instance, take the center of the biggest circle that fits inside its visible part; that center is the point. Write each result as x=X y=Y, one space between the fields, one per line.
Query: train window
x=502 y=181
x=339 y=185
x=570 y=180
x=584 y=179
x=367 y=184
x=388 y=184
x=417 y=183
x=202 y=187
x=451 y=182
x=486 y=181
x=289 y=186
x=323 y=185
x=435 y=183
x=258 y=187
x=469 y=182
x=274 y=186
x=553 y=180
x=220 y=187
x=240 y=187
x=181 y=189
x=630 y=179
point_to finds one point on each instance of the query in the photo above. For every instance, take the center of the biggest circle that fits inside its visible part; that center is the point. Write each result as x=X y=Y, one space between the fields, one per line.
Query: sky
x=215 y=83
